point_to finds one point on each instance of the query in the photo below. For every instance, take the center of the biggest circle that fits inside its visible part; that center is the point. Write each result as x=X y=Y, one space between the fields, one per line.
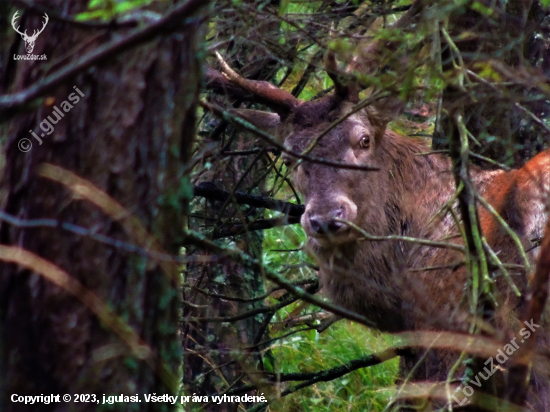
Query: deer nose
x=327 y=225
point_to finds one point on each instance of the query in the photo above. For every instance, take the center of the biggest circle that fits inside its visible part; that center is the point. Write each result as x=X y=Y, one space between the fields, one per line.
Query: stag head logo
x=29 y=40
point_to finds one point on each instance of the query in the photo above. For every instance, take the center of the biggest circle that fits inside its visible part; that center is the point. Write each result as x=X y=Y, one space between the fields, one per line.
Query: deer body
x=399 y=285
x=404 y=286
x=382 y=280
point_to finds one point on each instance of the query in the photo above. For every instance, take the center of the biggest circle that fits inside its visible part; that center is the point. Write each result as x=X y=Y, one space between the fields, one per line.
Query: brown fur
x=381 y=280
x=384 y=281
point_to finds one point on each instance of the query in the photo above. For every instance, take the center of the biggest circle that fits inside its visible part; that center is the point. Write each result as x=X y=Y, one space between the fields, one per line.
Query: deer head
x=331 y=194
x=359 y=139
x=29 y=40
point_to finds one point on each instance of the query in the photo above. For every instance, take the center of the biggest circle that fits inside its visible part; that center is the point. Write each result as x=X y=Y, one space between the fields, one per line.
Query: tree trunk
x=129 y=135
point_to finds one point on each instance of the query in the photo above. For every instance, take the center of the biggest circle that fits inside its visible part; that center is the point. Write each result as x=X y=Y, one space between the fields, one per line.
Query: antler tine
x=13 y=20
x=46 y=20
x=345 y=91
x=36 y=32
x=279 y=100
x=229 y=73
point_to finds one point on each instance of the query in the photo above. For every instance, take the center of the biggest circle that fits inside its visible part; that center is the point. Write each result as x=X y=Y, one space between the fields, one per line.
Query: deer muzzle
x=323 y=219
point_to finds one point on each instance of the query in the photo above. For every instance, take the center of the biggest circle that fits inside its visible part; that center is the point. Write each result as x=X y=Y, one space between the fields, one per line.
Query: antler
x=345 y=91
x=379 y=54
x=14 y=18
x=376 y=53
x=279 y=100
x=37 y=32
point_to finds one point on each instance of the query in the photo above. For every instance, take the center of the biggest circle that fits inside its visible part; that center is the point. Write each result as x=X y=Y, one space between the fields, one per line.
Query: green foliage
x=110 y=9
x=284 y=6
x=364 y=389
x=290 y=237
x=481 y=8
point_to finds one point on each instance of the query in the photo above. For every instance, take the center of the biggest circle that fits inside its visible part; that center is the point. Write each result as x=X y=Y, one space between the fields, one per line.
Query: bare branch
x=271 y=140
x=210 y=191
x=239 y=256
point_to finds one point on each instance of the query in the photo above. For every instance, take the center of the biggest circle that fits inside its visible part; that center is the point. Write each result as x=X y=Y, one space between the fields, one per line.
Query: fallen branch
x=211 y=192
x=324 y=375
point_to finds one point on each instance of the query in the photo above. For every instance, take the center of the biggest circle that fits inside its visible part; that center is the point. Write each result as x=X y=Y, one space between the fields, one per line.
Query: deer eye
x=287 y=161
x=364 y=143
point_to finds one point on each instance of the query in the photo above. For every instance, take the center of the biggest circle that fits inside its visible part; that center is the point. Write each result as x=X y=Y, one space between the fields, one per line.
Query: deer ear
x=266 y=121
x=381 y=113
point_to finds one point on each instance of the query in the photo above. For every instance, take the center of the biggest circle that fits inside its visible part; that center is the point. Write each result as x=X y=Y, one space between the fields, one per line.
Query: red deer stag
x=387 y=281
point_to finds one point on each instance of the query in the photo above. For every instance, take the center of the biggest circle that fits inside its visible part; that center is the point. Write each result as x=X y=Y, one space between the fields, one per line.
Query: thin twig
x=507 y=228
x=490 y=161
x=324 y=375
x=197 y=239
x=245 y=315
x=272 y=141
x=424 y=242
x=494 y=258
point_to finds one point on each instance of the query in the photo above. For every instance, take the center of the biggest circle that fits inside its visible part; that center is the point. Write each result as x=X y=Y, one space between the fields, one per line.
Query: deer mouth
x=331 y=233
x=329 y=221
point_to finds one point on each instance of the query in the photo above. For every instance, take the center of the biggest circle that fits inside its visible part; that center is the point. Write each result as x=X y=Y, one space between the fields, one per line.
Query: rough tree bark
x=130 y=136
